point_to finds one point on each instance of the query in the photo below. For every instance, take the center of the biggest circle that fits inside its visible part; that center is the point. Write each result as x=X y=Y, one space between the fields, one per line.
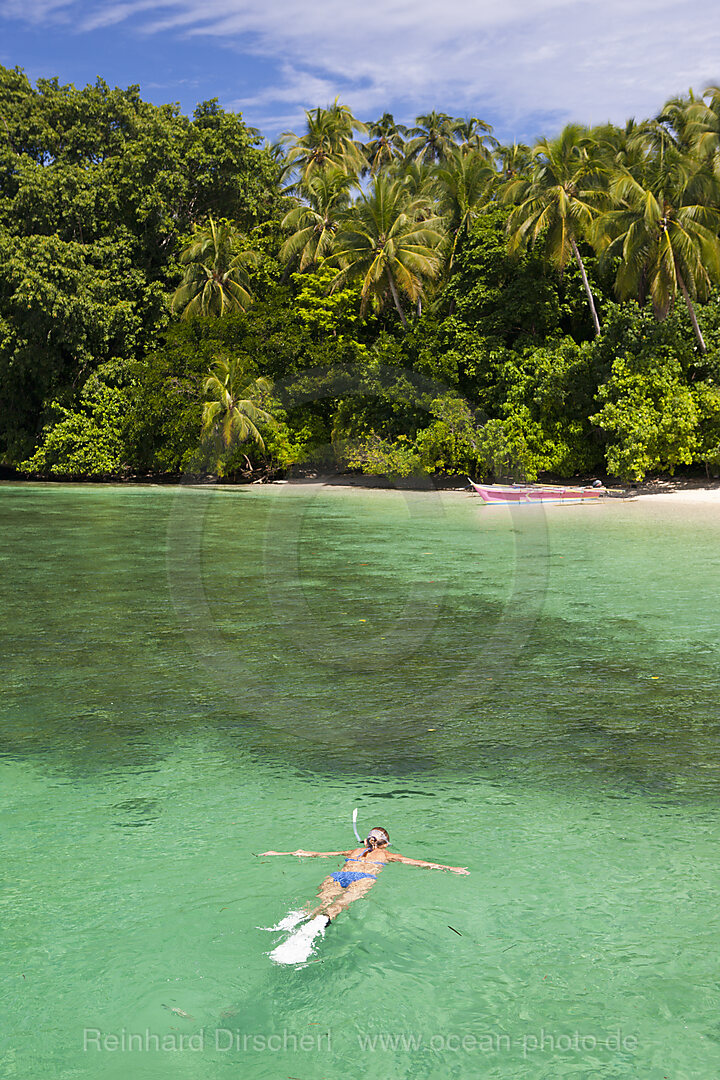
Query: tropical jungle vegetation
x=178 y=297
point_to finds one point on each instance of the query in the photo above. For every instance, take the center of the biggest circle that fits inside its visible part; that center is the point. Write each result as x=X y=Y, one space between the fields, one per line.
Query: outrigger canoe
x=526 y=493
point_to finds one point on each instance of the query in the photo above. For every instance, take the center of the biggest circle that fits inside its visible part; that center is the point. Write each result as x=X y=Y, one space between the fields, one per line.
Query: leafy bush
x=707 y=403
x=380 y=457
x=450 y=443
x=85 y=441
x=649 y=415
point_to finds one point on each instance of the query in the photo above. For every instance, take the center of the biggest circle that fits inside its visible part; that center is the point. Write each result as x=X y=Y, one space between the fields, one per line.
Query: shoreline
x=675 y=490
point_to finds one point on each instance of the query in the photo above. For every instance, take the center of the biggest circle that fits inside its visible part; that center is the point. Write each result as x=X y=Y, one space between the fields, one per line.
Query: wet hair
x=373 y=834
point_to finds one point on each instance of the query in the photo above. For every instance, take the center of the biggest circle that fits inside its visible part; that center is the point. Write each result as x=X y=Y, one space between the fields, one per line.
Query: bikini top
x=359 y=858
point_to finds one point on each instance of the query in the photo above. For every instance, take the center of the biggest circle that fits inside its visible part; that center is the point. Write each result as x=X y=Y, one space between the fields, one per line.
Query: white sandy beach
x=676 y=493
x=662 y=491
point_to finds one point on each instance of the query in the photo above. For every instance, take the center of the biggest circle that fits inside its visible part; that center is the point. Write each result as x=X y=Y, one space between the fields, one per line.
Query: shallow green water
x=193 y=676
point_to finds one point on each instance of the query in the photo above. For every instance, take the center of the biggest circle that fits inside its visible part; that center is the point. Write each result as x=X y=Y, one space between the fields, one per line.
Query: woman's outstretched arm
x=309 y=854
x=394 y=857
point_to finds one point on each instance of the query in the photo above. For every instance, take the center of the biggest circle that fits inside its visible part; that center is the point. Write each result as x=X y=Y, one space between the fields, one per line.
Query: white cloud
x=34 y=11
x=550 y=60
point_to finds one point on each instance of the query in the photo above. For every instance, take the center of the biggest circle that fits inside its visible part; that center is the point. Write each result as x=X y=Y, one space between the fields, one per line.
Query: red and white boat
x=530 y=493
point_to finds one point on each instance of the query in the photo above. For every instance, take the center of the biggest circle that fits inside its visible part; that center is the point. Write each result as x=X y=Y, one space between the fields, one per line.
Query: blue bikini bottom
x=347 y=877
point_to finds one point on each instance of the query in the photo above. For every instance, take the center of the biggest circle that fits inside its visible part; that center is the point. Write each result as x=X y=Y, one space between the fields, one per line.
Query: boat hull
x=520 y=493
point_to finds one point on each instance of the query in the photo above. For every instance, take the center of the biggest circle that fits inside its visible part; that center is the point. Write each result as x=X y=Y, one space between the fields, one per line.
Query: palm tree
x=386 y=145
x=465 y=183
x=657 y=138
x=384 y=242
x=232 y=412
x=513 y=160
x=476 y=135
x=216 y=280
x=622 y=147
x=327 y=140
x=313 y=223
x=416 y=178
x=433 y=138
x=704 y=123
x=677 y=117
x=559 y=201
x=665 y=231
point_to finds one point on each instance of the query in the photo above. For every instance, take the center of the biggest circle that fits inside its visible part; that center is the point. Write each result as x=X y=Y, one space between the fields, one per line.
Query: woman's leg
x=327 y=893
x=354 y=891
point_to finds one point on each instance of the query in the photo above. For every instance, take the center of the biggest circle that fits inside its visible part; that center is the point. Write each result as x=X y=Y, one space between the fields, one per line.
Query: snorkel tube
x=358 y=837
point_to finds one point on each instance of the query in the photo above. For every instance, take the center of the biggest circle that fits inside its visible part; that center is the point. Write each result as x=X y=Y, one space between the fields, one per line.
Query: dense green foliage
x=97 y=190
x=177 y=298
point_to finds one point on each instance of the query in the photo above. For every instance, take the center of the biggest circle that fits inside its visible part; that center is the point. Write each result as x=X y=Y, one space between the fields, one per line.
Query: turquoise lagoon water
x=192 y=676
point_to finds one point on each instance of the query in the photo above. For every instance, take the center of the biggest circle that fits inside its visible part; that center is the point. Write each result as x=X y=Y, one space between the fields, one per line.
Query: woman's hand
x=459 y=869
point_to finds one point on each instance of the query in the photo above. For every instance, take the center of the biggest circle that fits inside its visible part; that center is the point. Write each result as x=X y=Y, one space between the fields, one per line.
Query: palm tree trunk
x=396 y=298
x=586 y=283
x=452 y=251
x=693 y=317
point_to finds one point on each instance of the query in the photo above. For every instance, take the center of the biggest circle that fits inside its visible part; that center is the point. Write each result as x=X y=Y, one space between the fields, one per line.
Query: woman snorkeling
x=361 y=870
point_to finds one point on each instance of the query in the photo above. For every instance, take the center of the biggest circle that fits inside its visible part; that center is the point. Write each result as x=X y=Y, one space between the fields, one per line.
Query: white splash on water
x=288 y=923
x=299 y=946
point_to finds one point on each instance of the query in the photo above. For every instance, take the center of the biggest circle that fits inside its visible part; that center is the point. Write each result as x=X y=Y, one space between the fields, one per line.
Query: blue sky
x=526 y=66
